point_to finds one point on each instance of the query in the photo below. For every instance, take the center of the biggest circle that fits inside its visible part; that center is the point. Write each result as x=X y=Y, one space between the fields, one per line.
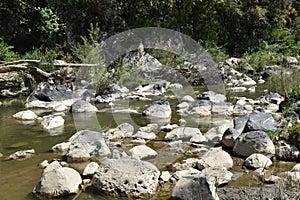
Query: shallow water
x=18 y=178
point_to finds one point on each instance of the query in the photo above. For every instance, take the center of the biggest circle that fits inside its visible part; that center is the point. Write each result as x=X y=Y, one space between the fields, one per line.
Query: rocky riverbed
x=160 y=145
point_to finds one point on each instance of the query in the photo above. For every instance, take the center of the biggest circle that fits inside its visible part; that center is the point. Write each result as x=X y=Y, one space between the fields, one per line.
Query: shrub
x=6 y=53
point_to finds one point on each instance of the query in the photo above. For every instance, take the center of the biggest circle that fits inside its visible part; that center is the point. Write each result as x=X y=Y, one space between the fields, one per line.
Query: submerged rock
x=21 y=155
x=25 y=115
x=127 y=177
x=58 y=182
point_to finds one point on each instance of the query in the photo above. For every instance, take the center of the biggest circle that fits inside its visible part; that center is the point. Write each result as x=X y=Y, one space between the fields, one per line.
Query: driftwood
x=28 y=65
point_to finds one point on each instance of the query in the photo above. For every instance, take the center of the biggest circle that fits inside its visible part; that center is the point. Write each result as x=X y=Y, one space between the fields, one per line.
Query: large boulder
x=215 y=157
x=86 y=144
x=58 y=182
x=46 y=92
x=240 y=122
x=214 y=135
x=25 y=115
x=260 y=121
x=194 y=188
x=229 y=137
x=254 y=142
x=183 y=133
x=12 y=84
x=159 y=109
x=127 y=177
x=80 y=106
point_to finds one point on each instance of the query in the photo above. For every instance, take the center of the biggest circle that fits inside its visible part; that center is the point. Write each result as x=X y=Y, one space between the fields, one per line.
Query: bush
x=6 y=53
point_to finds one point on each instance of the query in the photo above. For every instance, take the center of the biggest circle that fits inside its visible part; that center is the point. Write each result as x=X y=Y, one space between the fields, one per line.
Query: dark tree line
x=236 y=25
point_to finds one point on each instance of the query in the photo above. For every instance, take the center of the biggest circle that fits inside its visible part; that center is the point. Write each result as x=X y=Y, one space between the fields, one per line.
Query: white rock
x=184 y=133
x=61 y=147
x=53 y=165
x=187 y=98
x=165 y=176
x=296 y=168
x=52 y=122
x=44 y=164
x=25 y=115
x=215 y=157
x=218 y=175
x=90 y=169
x=142 y=152
x=257 y=160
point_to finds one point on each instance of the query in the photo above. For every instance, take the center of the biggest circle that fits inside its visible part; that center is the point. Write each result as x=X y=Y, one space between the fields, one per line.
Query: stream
x=18 y=178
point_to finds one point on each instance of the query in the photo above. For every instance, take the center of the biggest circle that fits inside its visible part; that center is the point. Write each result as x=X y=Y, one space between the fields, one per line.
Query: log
x=28 y=62
x=36 y=72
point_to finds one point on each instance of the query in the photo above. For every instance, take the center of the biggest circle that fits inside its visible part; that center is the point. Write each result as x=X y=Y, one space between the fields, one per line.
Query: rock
x=215 y=157
x=248 y=69
x=53 y=165
x=90 y=169
x=127 y=177
x=165 y=176
x=231 y=62
x=183 y=133
x=200 y=108
x=285 y=150
x=116 y=154
x=149 y=128
x=292 y=178
x=240 y=122
x=222 y=108
x=159 y=109
x=46 y=92
x=214 y=135
x=80 y=106
x=186 y=164
x=194 y=188
x=168 y=127
x=12 y=84
x=217 y=175
x=52 y=122
x=142 y=152
x=212 y=96
x=21 y=155
x=144 y=135
x=260 y=121
x=187 y=98
x=257 y=160
x=187 y=172
x=183 y=105
x=296 y=168
x=25 y=115
x=44 y=164
x=60 y=108
x=61 y=147
x=229 y=137
x=58 y=182
x=291 y=61
x=86 y=144
x=199 y=139
x=266 y=176
x=121 y=131
x=254 y=142
x=112 y=93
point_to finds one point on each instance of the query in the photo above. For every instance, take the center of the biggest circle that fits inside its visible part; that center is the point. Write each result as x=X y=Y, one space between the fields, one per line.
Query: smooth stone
x=90 y=169
x=257 y=160
x=142 y=152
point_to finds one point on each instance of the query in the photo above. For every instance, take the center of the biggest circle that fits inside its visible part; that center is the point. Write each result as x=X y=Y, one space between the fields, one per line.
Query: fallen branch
x=56 y=64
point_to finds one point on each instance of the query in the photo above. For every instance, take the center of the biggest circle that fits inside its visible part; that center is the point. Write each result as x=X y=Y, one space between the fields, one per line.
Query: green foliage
x=6 y=53
x=295 y=92
x=46 y=58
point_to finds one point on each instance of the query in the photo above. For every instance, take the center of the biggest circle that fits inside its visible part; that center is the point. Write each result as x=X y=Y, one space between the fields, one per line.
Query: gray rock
x=21 y=155
x=240 y=122
x=25 y=115
x=90 y=169
x=142 y=152
x=214 y=135
x=52 y=121
x=257 y=160
x=121 y=131
x=183 y=133
x=127 y=177
x=254 y=142
x=80 y=106
x=217 y=175
x=12 y=84
x=159 y=109
x=194 y=188
x=215 y=157
x=86 y=144
x=58 y=182
x=229 y=137
x=260 y=121
x=285 y=150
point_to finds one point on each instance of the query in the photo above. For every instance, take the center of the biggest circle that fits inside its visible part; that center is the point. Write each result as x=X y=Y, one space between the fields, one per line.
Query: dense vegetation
x=260 y=30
